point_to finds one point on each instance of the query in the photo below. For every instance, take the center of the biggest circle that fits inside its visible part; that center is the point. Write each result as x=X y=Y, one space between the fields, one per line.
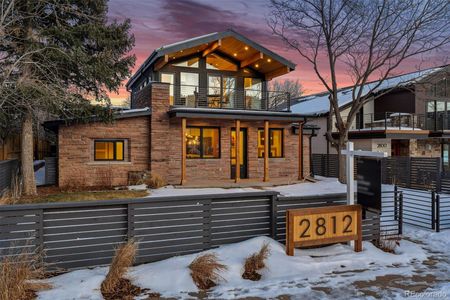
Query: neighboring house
x=200 y=112
x=409 y=115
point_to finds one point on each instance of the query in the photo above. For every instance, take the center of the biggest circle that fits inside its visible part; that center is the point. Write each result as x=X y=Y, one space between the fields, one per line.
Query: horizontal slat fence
x=84 y=234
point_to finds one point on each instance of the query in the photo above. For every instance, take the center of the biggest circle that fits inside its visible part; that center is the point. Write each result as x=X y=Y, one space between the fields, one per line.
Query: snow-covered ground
x=323 y=186
x=420 y=264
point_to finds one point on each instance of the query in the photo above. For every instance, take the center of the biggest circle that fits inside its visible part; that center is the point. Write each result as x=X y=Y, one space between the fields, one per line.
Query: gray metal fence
x=84 y=234
x=7 y=169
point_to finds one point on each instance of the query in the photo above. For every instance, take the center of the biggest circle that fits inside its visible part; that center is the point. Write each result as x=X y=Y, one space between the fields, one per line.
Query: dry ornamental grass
x=18 y=274
x=205 y=270
x=256 y=262
x=115 y=286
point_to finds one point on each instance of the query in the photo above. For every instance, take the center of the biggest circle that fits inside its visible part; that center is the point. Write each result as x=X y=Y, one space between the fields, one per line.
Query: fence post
x=207 y=223
x=395 y=202
x=273 y=216
x=438 y=219
x=40 y=232
x=433 y=209
x=400 y=214
x=130 y=222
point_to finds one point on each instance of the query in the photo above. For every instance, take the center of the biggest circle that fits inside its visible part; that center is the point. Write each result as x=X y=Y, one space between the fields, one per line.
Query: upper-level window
x=190 y=63
x=110 y=150
x=216 y=62
x=169 y=78
x=275 y=142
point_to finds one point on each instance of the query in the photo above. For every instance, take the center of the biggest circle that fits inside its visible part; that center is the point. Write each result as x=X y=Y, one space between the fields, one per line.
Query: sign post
x=350 y=154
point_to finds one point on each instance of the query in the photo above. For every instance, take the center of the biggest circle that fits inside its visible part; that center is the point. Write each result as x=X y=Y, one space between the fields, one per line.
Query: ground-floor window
x=109 y=150
x=445 y=157
x=275 y=142
x=202 y=142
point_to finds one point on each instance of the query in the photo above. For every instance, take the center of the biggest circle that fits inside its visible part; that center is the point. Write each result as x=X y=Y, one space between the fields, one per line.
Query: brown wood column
x=300 y=151
x=238 y=151
x=266 y=151
x=183 y=151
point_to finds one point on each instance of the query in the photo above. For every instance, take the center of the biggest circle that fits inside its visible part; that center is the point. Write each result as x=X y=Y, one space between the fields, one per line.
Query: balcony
x=229 y=98
x=390 y=121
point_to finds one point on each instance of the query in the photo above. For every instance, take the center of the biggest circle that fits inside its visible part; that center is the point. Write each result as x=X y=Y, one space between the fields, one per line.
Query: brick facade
x=154 y=143
x=76 y=165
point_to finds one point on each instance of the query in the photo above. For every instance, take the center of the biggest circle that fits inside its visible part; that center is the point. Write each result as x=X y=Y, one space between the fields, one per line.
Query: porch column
x=183 y=151
x=300 y=150
x=266 y=151
x=238 y=151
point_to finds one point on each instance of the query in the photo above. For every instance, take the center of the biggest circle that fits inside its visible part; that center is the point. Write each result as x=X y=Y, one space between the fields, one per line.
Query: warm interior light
x=257 y=65
x=246 y=48
x=269 y=60
x=234 y=54
x=173 y=57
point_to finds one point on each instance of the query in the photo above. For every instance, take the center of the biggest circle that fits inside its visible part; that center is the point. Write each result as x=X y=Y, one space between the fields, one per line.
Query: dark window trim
x=114 y=149
x=201 y=142
x=282 y=141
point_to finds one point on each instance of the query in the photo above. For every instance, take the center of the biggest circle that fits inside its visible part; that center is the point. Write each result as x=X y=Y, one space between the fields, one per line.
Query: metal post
x=400 y=211
x=438 y=210
x=350 y=174
x=433 y=209
x=395 y=202
x=273 y=217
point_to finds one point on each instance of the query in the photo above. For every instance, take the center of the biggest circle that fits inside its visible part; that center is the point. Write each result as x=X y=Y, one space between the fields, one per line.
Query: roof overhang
x=386 y=134
x=227 y=43
x=234 y=114
x=53 y=125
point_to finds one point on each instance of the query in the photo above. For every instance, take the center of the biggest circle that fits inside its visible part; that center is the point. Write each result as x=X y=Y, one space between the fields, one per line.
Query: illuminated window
x=168 y=78
x=275 y=142
x=111 y=150
x=202 y=142
x=190 y=63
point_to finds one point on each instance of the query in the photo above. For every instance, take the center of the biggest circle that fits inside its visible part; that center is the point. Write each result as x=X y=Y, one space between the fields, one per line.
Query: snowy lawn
x=323 y=186
x=421 y=263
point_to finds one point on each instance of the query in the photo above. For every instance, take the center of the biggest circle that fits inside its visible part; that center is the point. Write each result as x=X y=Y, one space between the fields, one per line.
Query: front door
x=243 y=153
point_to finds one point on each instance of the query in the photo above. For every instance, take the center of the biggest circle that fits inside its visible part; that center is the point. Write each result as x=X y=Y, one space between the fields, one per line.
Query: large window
x=275 y=142
x=253 y=93
x=109 y=150
x=202 y=142
x=191 y=63
x=168 y=78
x=221 y=91
x=189 y=89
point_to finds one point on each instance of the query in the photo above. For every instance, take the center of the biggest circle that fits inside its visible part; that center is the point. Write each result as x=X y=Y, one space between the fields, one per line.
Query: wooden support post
x=266 y=150
x=183 y=151
x=238 y=151
x=358 y=242
x=300 y=151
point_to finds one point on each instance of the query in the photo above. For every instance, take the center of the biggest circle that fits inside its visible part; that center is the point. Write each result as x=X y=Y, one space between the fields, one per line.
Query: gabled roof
x=319 y=104
x=204 y=41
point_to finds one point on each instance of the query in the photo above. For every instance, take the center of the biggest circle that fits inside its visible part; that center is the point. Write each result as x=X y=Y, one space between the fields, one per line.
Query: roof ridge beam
x=252 y=59
x=217 y=44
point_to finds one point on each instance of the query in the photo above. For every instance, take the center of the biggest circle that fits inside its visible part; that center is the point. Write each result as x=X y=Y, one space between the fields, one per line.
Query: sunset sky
x=156 y=23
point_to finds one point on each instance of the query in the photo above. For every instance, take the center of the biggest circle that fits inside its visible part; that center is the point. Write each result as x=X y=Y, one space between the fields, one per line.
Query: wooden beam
x=238 y=151
x=300 y=151
x=162 y=62
x=266 y=150
x=212 y=48
x=277 y=72
x=183 y=151
x=252 y=59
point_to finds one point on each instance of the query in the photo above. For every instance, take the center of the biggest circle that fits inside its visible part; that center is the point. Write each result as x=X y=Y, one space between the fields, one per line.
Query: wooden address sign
x=323 y=225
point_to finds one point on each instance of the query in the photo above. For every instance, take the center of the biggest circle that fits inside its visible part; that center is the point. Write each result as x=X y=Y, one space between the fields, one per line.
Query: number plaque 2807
x=323 y=225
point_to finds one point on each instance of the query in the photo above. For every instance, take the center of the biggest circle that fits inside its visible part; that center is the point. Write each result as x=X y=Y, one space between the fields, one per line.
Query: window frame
x=201 y=142
x=282 y=141
x=114 y=141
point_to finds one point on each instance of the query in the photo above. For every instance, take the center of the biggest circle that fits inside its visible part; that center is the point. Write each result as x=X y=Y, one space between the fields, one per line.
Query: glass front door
x=243 y=153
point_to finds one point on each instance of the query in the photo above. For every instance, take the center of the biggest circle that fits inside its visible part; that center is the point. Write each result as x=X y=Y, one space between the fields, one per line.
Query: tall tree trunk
x=29 y=183
x=342 y=160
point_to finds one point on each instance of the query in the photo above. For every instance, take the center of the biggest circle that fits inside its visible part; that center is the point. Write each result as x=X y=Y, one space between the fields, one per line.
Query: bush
x=256 y=262
x=154 y=181
x=115 y=286
x=16 y=274
x=205 y=270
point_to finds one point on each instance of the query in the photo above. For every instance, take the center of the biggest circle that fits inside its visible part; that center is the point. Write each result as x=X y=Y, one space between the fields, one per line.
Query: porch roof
x=234 y=114
x=229 y=44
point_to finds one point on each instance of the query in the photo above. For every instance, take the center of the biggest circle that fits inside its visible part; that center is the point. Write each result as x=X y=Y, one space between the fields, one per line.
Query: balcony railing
x=229 y=98
x=389 y=121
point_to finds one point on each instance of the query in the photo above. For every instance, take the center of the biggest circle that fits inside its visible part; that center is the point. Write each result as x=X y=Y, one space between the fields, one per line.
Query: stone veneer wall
x=76 y=166
x=425 y=148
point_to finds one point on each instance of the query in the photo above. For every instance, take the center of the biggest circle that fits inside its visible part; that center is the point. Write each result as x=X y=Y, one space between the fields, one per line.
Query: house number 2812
x=320 y=226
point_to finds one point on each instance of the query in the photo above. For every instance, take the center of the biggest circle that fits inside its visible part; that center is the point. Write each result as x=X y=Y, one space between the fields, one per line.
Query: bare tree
x=364 y=38
x=293 y=87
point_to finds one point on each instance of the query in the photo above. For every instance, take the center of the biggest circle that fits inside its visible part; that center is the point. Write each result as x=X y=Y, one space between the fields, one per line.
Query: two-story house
x=407 y=115
x=201 y=111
